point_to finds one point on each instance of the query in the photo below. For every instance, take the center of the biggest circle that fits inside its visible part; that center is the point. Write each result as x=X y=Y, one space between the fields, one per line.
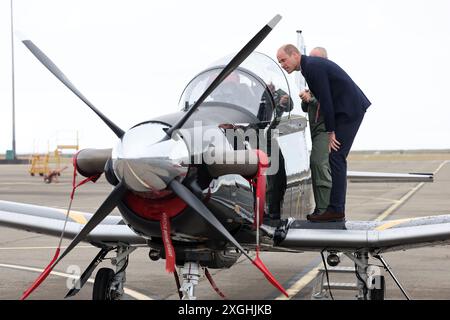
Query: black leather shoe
x=327 y=216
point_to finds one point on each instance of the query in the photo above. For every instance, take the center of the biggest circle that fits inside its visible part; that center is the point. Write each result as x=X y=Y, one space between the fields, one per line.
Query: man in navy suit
x=343 y=105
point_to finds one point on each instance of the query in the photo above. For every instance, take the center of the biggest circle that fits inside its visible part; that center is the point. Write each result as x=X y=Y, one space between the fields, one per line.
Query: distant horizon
x=132 y=60
x=352 y=151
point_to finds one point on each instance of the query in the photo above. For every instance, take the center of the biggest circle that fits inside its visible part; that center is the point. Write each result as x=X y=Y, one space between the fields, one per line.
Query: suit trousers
x=345 y=130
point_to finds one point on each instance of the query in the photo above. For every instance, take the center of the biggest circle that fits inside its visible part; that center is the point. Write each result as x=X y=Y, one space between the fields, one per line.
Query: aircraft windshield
x=256 y=86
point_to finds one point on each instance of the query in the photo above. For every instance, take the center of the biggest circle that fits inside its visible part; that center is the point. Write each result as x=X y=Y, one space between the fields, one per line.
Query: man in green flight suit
x=319 y=161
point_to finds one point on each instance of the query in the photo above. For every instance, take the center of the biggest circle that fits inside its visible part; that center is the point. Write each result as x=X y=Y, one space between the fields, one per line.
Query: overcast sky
x=132 y=59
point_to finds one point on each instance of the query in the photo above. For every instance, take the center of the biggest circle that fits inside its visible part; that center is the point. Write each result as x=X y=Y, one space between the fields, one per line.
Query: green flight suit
x=277 y=183
x=319 y=159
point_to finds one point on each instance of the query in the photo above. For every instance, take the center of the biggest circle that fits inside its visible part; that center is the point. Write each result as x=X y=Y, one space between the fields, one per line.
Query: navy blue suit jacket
x=335 y=90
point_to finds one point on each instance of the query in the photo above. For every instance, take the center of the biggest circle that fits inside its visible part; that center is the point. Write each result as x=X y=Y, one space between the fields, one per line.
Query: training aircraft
x=196 y=186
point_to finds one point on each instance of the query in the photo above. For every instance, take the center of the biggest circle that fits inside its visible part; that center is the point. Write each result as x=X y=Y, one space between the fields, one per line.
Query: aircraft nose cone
x=147 y=164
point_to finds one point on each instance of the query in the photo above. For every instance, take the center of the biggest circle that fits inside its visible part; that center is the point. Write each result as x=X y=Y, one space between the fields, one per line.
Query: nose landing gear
x=108 y=285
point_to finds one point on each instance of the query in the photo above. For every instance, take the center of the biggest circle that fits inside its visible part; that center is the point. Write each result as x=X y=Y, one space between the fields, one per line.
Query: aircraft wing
x=376 y=237
x=50 y=221
x=363 y=176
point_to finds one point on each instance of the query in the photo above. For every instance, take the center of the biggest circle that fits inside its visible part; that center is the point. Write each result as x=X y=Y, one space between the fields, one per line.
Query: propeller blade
x=230 y=67
x=58 y=74
x=195 y=203
x=192 y=201
x=105 y=208
x=87 y=273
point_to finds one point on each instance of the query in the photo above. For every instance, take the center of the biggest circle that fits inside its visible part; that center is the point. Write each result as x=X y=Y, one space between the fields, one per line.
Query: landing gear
x=369 y=284
x=378 y=293
x=108 y=285
x=389 y=270
x=370 y=281
x=102 y=284
x=190 y=274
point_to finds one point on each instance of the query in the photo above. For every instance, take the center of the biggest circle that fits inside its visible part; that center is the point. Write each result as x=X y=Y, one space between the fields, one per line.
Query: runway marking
x=300 y=284
x=132 y=293
x=28 y=183
x=311 y=275
x=396 y=205
x=37 y=248
x=370 y=198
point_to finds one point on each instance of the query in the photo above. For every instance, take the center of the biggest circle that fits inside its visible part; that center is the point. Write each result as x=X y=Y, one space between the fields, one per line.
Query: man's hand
x=305 y=95
x=333 y=144
x=284 y=100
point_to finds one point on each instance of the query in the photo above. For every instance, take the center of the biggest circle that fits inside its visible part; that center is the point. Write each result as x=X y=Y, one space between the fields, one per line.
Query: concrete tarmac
x=424 y=272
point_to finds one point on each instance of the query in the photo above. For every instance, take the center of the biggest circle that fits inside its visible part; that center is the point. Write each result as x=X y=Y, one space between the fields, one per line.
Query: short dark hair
x=290 y=49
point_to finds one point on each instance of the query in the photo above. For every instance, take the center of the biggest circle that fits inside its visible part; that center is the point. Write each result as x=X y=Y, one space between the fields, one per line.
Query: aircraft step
x=321 y=289
x=338 y=269
x=342 y=286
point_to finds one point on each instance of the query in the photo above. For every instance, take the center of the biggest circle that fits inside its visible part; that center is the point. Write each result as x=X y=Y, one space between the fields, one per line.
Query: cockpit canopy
x=255 y=87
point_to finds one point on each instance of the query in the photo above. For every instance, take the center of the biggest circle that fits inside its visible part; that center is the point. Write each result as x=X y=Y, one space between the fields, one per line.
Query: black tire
x=41 y=174
x=102 y=283
x=32 y=174
x=378 y=293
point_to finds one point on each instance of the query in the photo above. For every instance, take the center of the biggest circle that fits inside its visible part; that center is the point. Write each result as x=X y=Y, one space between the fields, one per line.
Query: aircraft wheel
x=101 y=290
x=378 y=293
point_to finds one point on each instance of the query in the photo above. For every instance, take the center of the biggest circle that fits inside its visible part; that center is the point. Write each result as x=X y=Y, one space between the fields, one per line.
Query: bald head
x=289 y=57
x=319 y=52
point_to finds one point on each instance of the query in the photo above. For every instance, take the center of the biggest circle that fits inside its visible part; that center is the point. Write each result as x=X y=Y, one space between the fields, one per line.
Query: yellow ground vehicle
x=42 y=164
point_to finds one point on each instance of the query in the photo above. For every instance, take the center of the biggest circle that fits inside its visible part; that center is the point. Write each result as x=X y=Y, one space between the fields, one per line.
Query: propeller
x=105 y=208
x=61 y=77
x=192 y=201
x=183 y=192
x=229 y=68
x=195 y=203
x=179 y=189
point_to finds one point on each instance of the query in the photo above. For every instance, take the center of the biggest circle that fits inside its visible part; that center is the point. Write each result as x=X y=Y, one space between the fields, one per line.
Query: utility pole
x=301 y=82
x=13 y=88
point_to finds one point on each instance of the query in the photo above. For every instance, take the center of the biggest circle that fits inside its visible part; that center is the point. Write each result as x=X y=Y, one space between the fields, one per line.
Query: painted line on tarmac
x=37 y=248
x=383 y=200
x=311 y=275
x=391 y=209
x=396 y=205
x=29 y=183
x=132 y=293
